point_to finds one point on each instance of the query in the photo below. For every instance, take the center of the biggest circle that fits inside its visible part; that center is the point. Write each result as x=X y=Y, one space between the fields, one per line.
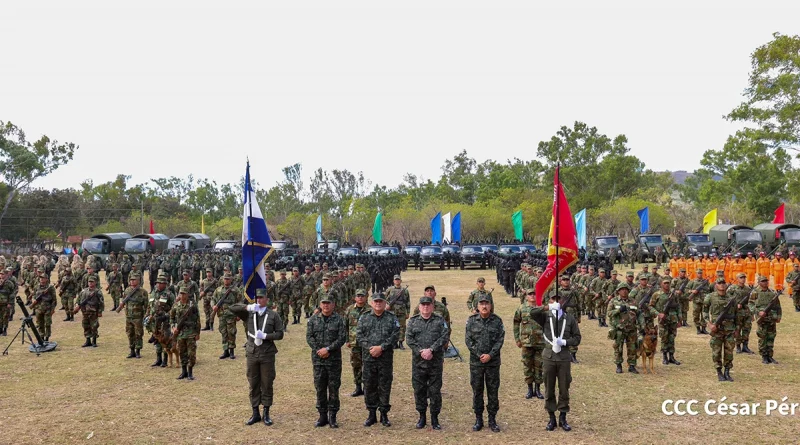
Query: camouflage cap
x=762 y=278
x=316 y=264
x=481 y=280
x=135 y=276
x=228 y=268
x=208 y=269
x=227 y=276
x=161 y=279
x=425 y=300
x=397 y=277
x=282 y=272
x=564 y=276
x=377 y=296
x=430 y=286
x=666 y=280
x=350 y=267
x=699 y=270
x=295 y=269
x=261 y=292
x=67 y=271
x=720 y=281
x=530 y=290
x=629 y=273
x=720 y=273
x=187 y=272
x=327 y=276
x=92 y=279
x=645 y=266
x=613 y=271
x=601 y=270
x=326 y=299
x=484 y=297
x=183 y=290
x=682 y=269
x=623 y=286
x=741 y=275
x=308 y=267
x=360 y=292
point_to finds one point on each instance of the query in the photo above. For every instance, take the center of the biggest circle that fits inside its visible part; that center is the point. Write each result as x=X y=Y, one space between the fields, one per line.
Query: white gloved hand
x=253 y=308
x=261 y=335
x=562 y=342
x=554 y=306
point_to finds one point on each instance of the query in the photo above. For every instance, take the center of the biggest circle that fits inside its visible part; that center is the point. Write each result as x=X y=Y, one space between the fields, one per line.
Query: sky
x=155 y=89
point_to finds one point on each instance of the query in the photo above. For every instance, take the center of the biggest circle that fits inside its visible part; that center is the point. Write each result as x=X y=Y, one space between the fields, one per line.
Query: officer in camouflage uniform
x=114 y=287
x=697 y=289
x=722 y=338
x=92 y=304
x=767 y=321
x=427 y=336
x=684 y=297
x=224 y=297
x=596 y=297
x=354 y=312
x=624 y=327
x=8 y=292
x=190 y=285
x=528 y=336
x=484 y=338
x=296 y=286
x=326 y=334
x=44 y=305
x=399 y=302
x=309 y=284
x=474 y=296
x=669 y=316
x=207 y=288
x=793 y=278
x=68 y=288
x=376 y=334
x=134 y=303
x=184 y=318
x=744 y=319
x=568 y=297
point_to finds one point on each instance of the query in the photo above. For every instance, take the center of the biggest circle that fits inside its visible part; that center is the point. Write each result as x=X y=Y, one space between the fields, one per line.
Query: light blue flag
x=580 y=228
x=319 y=228
x=256 y=244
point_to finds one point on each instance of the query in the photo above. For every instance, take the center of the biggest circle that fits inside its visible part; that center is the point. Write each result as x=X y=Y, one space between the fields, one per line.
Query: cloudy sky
x=158 y=89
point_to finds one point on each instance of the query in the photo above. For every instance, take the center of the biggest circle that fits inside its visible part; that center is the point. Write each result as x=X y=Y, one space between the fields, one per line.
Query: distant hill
x=680 y=176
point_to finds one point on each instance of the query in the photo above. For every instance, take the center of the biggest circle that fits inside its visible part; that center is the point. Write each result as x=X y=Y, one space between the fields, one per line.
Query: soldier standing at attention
x=44 y=305
x=91 y=305
x=624 y=323
x=767 y=320
x=184 y=318
x=264 y=327
x=484 y=337
x=8 y=292
x=114 y=287
x=207 y=288
x=296 y=284
x=722 y=333
x=326 y=334
x=744 y=318
x=696 y=290
x=400 y=305
x=683 y=297
x=793 y=278
x=376 y=335
x=190 y=286
x=427 y=336
x=474 y=296
x=224 y=298
x=354 y=312
x=669 y=316
x=134 y=314
x=530 y=340
x=68 y=288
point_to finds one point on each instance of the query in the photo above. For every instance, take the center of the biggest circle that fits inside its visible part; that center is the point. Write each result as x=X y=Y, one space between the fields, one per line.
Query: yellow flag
x=202 y=223
x=710 y=220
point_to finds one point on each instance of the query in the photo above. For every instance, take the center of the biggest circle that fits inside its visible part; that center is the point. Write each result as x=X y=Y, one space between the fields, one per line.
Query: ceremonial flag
x=319 y=228
x=456 y=228
x=562 y=246
x=203 y=224
x=516 y=221
x=644 y=220
x=436 y=229
x=446 y=222
x=152 y=229
x=256 y=244
x=377 y=229
x=709 y=221
x=779 y=214
x=580 y=227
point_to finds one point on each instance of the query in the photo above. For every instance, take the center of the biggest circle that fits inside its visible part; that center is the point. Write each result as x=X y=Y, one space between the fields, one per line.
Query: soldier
x=678 y=283
x=354 y=312
x=644 y=273
x=159 y=304
x=624 y=327
x=326 y=333
x=376 y=334
x=529 y=338
x=296 y=285
x=224 y=298
x=696 y=290
x=92 y=306
x=744 y=319
x=793 y=278
x=427 y=336
x=264 y=327
x=153 y=267
x=68 y=289
x=114 y=286
x=44 y=305
x=669 y=317
x=399 y=302
x=283 y=292
x=309 y=284
x=766 y=306
x=568 y=298
x=184 y=318
x=8 y=292
x=484 y=338
x=439 y=308
x=207 y=288
x=721 y=333
x=134 y=304
x=598 y=298
x=472 y=300
x=322 y=291
x=190 y=286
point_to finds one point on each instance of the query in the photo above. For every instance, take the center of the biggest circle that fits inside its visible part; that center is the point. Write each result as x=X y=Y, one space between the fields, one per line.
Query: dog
x=647 y=349
x=164 y=336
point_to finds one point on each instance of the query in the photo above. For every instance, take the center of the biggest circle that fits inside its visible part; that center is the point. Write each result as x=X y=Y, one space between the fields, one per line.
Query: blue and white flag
x=256 y=244
x=319 y=228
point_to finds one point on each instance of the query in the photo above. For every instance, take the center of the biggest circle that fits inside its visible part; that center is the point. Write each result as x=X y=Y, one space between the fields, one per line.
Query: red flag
x=152 y=230
x=779 y=215
x=563 y=239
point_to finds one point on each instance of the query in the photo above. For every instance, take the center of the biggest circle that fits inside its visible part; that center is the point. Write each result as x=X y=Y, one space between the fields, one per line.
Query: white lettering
x=707 y=407
x=771 y=406
x=665 y=407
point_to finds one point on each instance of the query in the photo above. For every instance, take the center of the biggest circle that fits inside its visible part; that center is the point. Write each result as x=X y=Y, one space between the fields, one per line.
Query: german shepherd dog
x=163 y=335
x=647 y=350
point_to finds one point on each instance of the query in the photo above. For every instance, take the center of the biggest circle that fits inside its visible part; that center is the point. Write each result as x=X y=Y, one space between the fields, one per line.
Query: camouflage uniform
x=224 y=298
x=528 y=333
x=759 y=299
x=375 y=330
x=426 y=375
x=744 y=318
x=8 y=293
x=623 y=315
x=44 y=308
x=186 y=319
x=135 y=309
x=284 y=293
x=297 y=285
x=308 y=290
x=722 y=341
x=484 y=336
x=191 y=287
x=684 y=297
x=399 y=302
x=68 y=288
x=353 y=314
x=91 y=304
x=207 y=288
x=697 y=300
x=596 y=299
x=327 y=333
x=474 y=296
x=790 y=278
x=114 y=280
x=439 y=309
x=669 y=324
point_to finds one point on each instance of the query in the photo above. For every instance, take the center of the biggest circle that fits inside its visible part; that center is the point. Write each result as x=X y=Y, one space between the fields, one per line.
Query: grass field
x=73 y=393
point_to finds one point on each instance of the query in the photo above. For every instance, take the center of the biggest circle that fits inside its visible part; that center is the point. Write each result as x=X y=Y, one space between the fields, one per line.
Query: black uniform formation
x=506 y=266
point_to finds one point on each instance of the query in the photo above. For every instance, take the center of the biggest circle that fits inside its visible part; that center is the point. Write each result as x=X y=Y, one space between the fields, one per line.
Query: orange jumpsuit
x=728 y=267
x=673 y=267
x=750 y=270
x=691 y=269
x=778 y=273
x=682 y=264
x=709 y=268
x=763 y=267
x=737 y=266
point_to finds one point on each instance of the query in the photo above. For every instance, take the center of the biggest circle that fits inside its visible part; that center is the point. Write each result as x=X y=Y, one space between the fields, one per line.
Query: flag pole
x=250 y=223
x=555 y=194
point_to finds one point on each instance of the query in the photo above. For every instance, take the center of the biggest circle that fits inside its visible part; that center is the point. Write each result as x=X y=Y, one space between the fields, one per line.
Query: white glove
x=255 y=307
x=554 y=306
x=562 y=342
x=634 y=308
x=260 y=335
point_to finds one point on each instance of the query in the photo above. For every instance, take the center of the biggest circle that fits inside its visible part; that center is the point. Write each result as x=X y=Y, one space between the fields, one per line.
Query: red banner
x=779 y=215
x=152 y=230
x=562 y=246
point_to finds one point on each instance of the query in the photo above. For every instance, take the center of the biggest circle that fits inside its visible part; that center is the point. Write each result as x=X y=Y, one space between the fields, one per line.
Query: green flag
x=516 y=220
x=377 y=229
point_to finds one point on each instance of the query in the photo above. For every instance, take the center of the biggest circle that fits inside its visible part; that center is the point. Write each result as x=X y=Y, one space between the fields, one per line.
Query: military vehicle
x=412 y=255
x=603 y=245
x=146 y=242
x=327 y=247
x=101 y=245
x=698 y=243
x=431 y=256
x=473 y=255
x=648 y=244
x=226 y=244
x=190 y=242
x=778 y=234
x=728 y=238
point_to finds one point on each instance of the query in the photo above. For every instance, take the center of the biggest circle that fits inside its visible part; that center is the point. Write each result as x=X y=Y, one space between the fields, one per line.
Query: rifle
x=770 y=306
x=645 y=301
x=82 y=304
x=724 y=312
x=452 y=351
x=125 y=300
x=397 y=297
x=192 y=309
x=38 y=297
x=206 y=290
x=224 y=297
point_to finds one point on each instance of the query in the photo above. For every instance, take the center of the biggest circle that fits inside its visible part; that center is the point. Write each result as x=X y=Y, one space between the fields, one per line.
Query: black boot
x=738 y=348
x=231 y=354
x=703 y=330
x=322 y=421
x=138 y=353
x=211 y=326
x=720 y=375
x=698 y=330
x=66 y=319
x=672 y=359
x=190 y=376
x=165 y=360
x=746 y=348
x=207 y=328
x=184 y=373
x=152 y=339
x=538 y=392
x=400 y=346
x=358 y=391
x=158 y=360
x=331 y=416
x=529 y=395
x=225 y=354
x=664 y=360
x=435 y=421
x=265 y=416
x=575 y=358
x=765 y=359
x=551 y=425
x=619 y=368
x=728 y=374
x=562 y=421
x=256 y=417
x=632 y=369
x=422 y=420
x=371 y=419
x=493 y=424
x=132 y=354
x=772 y=360
x=385 y=419
x=113 y=308
x=94 y=344
x=478 y=422
x=88 y=343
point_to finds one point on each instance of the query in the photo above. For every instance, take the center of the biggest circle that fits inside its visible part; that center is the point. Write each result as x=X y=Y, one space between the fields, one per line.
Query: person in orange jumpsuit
x=737 y=266
x=727 y=268
x=750 y=268
x=673 y=265
x=691 y=268
x=681 y=263
x=709 y=266
x=778 y=274
x=763 y=265
x=720 y=265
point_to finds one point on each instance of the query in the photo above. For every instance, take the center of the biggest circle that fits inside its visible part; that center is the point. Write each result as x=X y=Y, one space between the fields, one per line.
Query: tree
x=22 y=162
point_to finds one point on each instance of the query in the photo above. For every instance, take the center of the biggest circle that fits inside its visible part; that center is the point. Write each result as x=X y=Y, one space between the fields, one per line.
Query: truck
x=189 y=241
x=102 y=244
x=730 y=238
x=327 y=247
x=648 y=244
x=698 y=243
x=146 y=242
x=603 y=245
x=777 y=234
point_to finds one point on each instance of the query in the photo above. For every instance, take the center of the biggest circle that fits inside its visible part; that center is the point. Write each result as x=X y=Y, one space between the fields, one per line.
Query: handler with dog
x=624 y=326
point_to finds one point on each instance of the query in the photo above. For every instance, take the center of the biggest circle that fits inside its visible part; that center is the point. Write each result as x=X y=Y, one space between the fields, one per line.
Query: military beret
x=720 y=281
x=682 y=269
x=261 y=292
x=623 y=286
x=91 y=278
x=361 y=292
x=430 y=286
x=481 y=280
x=425 y=300
x=377 y=297
x=483 y=297
x=741 y=275
x=397 y=277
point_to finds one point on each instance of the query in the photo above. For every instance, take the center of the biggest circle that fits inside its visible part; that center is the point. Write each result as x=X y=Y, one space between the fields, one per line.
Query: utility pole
x=142 y=217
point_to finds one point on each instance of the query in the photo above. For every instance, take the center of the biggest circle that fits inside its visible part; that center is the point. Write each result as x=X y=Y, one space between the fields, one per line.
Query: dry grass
x=64 y=396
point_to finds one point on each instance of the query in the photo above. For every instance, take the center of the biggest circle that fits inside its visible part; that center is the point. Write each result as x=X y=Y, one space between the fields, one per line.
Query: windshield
x=431 y=250
x=510 y=249
x=650 y=239
x=412 y=249
x=697 y=238
x=492 y=248
x=392 y=250
x=450 y=249
x=607 y=242
x=176 y=243
x=348 y=251
x=472 y=250
x=792 y=235
x=278 y=245
x=136 y=245
x=223 y=244
x=526 y=247
x=748 y=236
x=93 y=245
